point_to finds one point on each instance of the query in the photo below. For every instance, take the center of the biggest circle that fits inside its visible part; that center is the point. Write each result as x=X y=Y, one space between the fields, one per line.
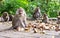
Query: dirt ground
x=16 y=34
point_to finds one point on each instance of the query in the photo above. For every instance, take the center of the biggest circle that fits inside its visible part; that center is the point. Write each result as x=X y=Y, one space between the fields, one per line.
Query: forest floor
x=16 y=34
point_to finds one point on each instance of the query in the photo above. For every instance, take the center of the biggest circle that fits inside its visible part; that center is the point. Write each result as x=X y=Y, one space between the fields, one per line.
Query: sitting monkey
x=37 y=13
x=5 y=17
x=45 y=18
x=19 y=19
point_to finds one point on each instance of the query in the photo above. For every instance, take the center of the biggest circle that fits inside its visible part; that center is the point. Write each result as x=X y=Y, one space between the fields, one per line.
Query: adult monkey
x=19 y=19
x=5 y=17
x=37 y=13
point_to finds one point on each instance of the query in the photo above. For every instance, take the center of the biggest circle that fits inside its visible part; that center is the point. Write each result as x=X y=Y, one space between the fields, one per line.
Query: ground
x=16 y=34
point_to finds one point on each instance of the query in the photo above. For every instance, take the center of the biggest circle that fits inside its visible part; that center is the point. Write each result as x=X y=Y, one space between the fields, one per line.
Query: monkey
x=58 y=18
x=19 y=19
x=37 y=13
x=5 y=17
x=45 y=18
x=11 y=17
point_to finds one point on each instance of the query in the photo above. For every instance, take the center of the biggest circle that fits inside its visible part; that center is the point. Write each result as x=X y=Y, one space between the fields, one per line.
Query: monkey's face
x=5 y=14
x=20 y=11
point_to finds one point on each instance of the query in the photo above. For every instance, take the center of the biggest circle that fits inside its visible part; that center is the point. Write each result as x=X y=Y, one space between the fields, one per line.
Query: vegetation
x=51 y=7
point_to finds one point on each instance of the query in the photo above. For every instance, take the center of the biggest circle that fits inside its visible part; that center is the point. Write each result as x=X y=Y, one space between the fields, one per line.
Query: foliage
x=51 y=7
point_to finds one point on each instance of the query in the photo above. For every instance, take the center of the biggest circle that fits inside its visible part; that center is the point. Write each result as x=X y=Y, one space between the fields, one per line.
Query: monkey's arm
x=25 y=22
x=25 y=19
x=22 y=23
x=7 y=18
